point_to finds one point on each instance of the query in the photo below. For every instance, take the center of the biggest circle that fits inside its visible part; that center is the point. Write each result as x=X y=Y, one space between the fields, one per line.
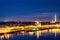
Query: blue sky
x=15 y=8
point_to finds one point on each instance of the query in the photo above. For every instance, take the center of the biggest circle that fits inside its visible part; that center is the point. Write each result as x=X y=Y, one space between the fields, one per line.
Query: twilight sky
x=18 y=8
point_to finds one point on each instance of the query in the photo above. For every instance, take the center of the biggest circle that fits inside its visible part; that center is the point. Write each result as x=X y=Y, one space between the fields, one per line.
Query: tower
x=55 y=18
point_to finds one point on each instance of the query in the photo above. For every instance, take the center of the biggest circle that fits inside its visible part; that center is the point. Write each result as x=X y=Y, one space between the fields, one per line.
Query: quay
x=38 y=26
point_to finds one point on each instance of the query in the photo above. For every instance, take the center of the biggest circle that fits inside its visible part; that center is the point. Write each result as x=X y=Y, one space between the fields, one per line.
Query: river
x=51 y=34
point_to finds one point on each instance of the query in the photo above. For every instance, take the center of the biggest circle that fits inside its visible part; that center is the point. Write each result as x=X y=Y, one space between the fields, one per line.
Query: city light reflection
x=37 y=33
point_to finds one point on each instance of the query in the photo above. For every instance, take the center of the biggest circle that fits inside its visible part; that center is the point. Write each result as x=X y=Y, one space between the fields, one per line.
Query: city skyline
x=29 y=19
x=42 y=17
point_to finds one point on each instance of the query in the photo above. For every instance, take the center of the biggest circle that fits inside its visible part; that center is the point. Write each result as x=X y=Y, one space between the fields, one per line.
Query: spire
x=55 y=18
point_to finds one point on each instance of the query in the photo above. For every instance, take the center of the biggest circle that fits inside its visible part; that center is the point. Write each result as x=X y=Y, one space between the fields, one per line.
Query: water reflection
x=7 y=36
x=38 y=34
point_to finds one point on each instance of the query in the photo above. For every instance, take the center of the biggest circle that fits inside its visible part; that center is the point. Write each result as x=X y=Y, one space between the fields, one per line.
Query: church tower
x=55 y=18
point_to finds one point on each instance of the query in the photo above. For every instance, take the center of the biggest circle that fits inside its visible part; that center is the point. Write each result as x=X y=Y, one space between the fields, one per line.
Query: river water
x=51 y=34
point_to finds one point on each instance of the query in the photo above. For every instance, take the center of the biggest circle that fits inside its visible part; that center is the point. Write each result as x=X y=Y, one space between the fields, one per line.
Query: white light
x=55 y=18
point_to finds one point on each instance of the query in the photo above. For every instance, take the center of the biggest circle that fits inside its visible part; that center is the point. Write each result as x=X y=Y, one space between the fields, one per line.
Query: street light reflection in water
x=38 y=34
